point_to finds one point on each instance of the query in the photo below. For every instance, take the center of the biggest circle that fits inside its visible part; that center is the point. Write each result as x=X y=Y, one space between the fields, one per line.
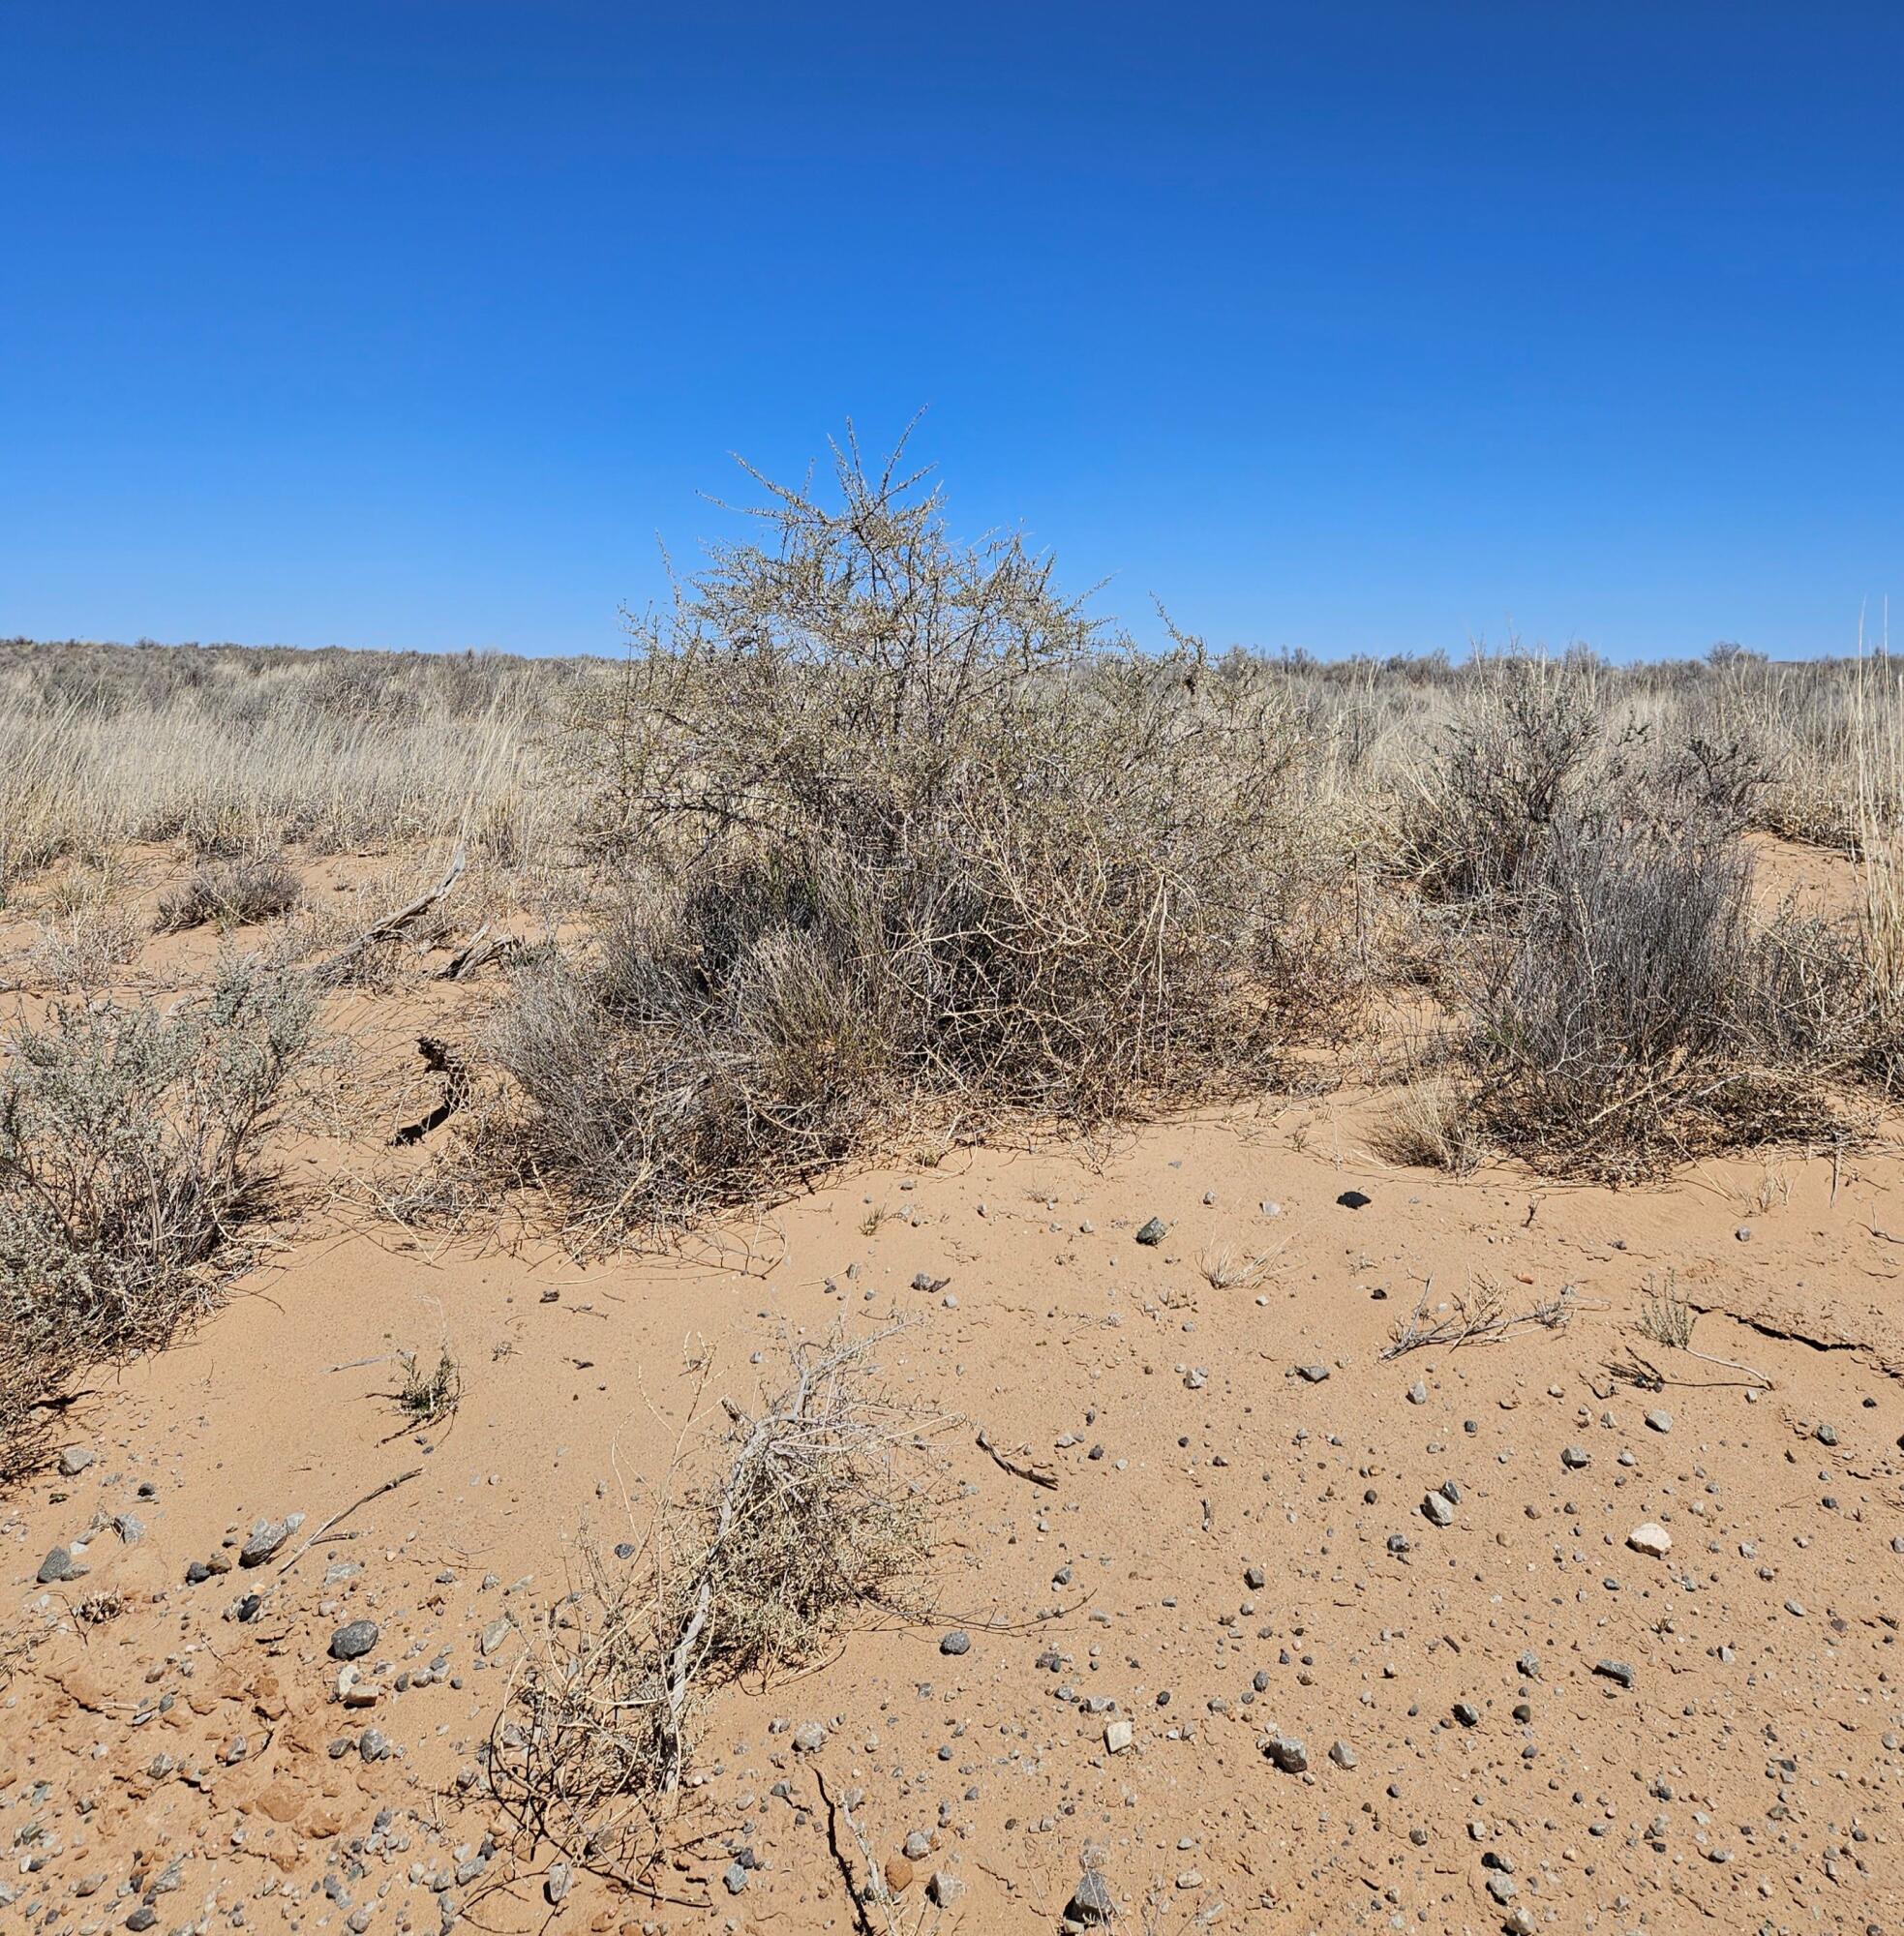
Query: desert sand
x=1302 y=1638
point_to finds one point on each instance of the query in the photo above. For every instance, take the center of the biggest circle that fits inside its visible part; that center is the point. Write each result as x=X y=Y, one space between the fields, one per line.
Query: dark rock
x=354 y=1640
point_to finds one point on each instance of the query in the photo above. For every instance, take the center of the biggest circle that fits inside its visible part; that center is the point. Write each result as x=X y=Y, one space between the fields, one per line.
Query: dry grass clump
x=1665 y=1315
x=131 y=1157
x=1431 y=1124
x=805 y=1521
x=234 y=894
x=904 y=830
x=83 y=948
x=1636 y=1015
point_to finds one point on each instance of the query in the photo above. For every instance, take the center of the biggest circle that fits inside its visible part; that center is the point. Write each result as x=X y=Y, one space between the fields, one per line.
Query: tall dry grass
x=236 y=752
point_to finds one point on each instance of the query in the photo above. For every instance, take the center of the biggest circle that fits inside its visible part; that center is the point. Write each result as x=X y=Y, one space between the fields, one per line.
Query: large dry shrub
x=900 y=825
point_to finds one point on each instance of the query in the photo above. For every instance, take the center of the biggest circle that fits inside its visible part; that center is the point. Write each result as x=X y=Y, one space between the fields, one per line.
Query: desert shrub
x=807 y=1517
x=131 y=1157
x=903 y=825
x=232 y=894
x=1526 y=736
x=1636 y=1015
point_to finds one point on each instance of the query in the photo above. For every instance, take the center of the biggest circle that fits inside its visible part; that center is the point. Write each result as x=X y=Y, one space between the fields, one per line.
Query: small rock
x=1417 y=1393
x=1576 y=1458
x=735 y=1877
x=1312 y=1374
x=556 y=1884
x=1118 y=1737
x=1341 y=1754
x=56 y=1566
x=267 y=1537
x=898 y=1873
x=1288 y=1753
x=945 y=1888
x=956 y=1643
x=1151 y=1233
x=1616 y=1670
x=1651 y=1540
x=1660 y=1421
x=809 y=1738
x=74 y=1459
x=1438 y=1510
x=354 y=1640
x=1353 y=1199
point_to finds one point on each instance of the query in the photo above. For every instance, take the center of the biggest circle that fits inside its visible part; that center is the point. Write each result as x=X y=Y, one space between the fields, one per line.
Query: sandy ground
x=1514 y=1719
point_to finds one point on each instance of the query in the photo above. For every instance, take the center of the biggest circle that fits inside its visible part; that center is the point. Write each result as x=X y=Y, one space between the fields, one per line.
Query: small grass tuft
x=428 y=1393
x=233 y=894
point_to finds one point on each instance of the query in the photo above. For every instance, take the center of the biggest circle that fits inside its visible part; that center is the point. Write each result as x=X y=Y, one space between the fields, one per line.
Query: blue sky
x=1356 y=328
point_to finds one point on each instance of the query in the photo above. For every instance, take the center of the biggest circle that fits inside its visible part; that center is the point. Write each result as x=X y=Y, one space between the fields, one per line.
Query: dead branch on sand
x=1480 y=1315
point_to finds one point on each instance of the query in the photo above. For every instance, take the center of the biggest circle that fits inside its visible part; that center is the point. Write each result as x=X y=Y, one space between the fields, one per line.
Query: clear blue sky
x=1369 y=328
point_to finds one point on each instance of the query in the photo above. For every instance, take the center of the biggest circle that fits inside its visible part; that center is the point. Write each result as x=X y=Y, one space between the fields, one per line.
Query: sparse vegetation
x=1480 y=1314
x=132 y=1159
x=806 y=1519
x=232 y=893
x=1227 y=1269
x=428 y=1392
x=1665 y=1315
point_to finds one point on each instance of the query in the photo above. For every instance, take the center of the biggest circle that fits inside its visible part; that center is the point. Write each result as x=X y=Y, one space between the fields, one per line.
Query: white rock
x=1117 y=1737
x=1650 y=1538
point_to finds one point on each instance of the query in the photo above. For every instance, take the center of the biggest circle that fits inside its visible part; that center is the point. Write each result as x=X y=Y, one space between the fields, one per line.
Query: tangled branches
x=806 y=1518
